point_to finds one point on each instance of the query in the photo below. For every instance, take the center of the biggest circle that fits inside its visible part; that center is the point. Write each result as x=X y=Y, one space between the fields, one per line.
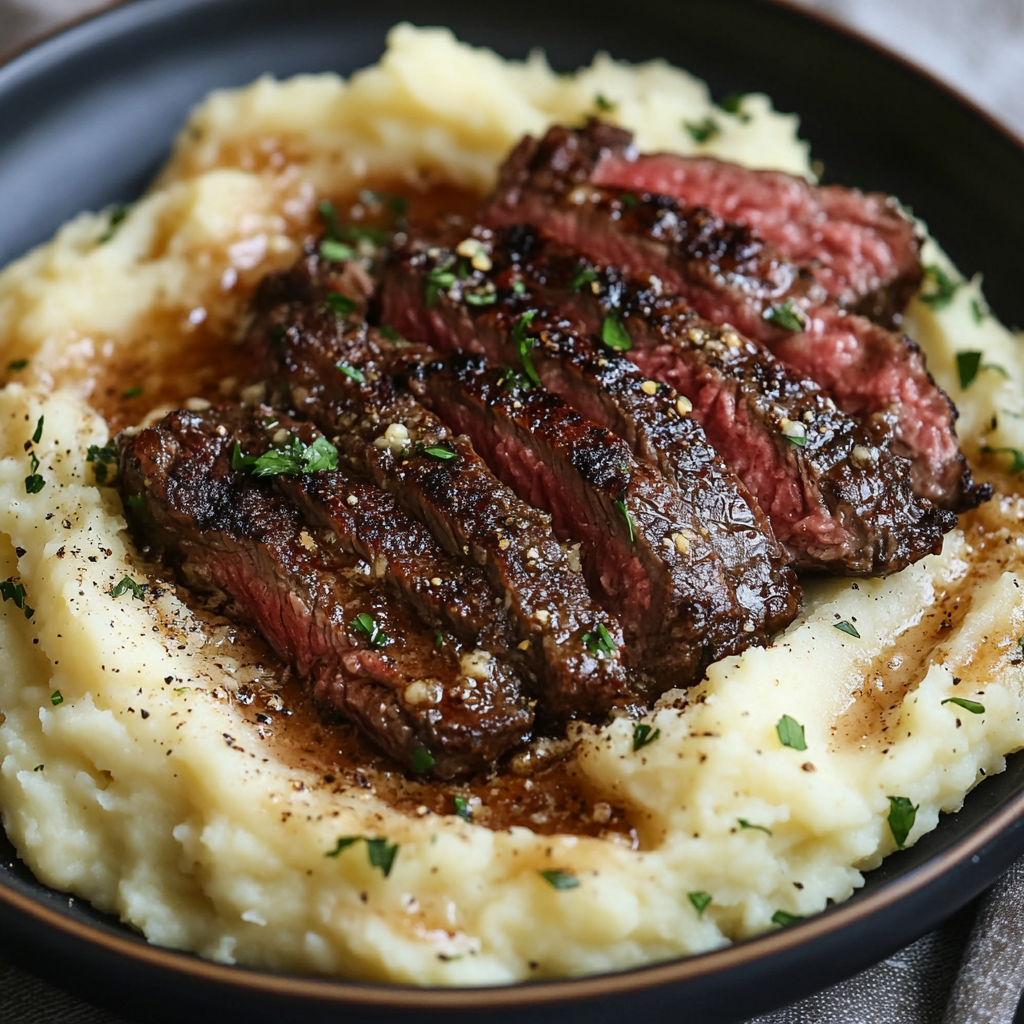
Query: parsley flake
x=733 y=104
x=783 y=918
x=791 y=733
x=480 y=297
x=339 y=252
x=513 y=380
x=978 y=311
x=560 y=880
x=603 y=104
x=138 y=590
x=462 y=808
x=422 y=760
x=524 y=344
x=621 y=506
x=744 y=824
x=968 y=705
x=846 y=627
x=11 y=591
x=133 y=392
x=288 y=459
x=629 y=200
x=440 y=278
x=785 y=315
x=1017 y=465
x=583 y=275
x=38 y=768
x=34 y=483
x=382 y=854
x=703 y=131
x=398 y=205
x=17 y=364
x=600 y=641
x=614 y=334
x=117 y=215
x=967 y=366
x=37 y=435
x=700 y=901
x=388 y=332
x=376 y=637
x=352 y=372
x=902 y=815
x=344 y=842
x=137 y=504
x=435 y=451
x=101 y=456
x=341 y=304
x=939 y=288
x=642 y=735
x=56 y=698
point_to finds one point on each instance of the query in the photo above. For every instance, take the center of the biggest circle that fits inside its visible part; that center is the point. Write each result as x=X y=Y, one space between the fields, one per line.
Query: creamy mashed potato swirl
x=140 y=772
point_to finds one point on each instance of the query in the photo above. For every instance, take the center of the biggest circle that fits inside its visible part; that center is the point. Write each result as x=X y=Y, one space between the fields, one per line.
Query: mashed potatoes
x=148 y=760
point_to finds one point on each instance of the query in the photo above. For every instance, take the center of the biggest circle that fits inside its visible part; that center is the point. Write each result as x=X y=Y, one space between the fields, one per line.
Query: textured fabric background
x=970 y=970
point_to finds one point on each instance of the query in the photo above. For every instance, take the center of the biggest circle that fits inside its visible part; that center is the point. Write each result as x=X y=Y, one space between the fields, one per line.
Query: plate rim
x=125 y=15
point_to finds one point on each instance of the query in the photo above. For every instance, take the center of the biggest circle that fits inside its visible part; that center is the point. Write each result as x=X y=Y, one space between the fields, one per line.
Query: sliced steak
x=731 y=276
x=383 y=432
x=861 y=248
x=323 y=610
x=838 y=498
x=610 y=390
x=677 y=612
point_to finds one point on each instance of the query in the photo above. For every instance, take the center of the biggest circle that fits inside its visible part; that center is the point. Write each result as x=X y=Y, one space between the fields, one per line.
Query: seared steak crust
x=385 y=434
x=861 y=248
x=234 y=534
x=838 y=497
x=731 y=276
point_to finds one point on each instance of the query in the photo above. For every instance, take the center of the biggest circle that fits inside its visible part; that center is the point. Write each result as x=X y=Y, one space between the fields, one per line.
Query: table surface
x=976 y=46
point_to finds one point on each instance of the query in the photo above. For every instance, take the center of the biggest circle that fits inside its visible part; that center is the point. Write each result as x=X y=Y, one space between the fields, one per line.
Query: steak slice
x=323 y=610
x=385 y=434
x=677 y=612
x=861 y=248
x=837 y=496
x=729 y=275
x=610 y=390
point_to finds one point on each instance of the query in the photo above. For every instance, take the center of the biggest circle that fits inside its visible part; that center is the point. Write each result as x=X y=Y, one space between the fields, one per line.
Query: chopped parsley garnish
x=422 y=760
x=352 y=372
x=11 y=591
x=138 y=590
x=513 y=380
x=288 y=459
x=560 y=880
x=337 y=251
x=17 y=364
x=462 y=808
x=902 y=815
x=621 y=506
x=341 y=304
x=978 y=311
x=117 y=215
x=700 y=901
x=133 y=392
x=37 y=435
x=782 y=918
x=733 y=104
x=137 y=504
x=583 y=275
x=480 y=297
x=56 y=698
x=614 y=334
x=758 y=828
x=34 y=483
x=438 y=639
x=388 y=332
x=629 y=200
x=703 y=131
x=39 y=768
x=179 y=690
x=375 y=636
x=440 y=278
x=846 y=627
x=939 y=287
x=785 y=315
x=435 y=451
x=600 y=641
x=968 y=705
x=791 y=733
x=101 y=456
x=1017 y=466
x=603 y=103
x=380 y=852
x=643 y=734
x=524 y=344
x=518 y=287
x=967 y=366
x=398 y=205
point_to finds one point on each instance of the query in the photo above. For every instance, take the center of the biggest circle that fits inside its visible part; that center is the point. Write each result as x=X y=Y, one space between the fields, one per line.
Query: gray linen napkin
x=971 y=969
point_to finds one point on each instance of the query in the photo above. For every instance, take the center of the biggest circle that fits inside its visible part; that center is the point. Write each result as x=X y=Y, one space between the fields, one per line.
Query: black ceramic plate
x=87 y=117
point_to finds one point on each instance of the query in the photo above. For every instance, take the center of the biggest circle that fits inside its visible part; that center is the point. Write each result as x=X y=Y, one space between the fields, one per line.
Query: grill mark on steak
x=839 y=501
x=677 y=613
x=610 y=390
x=234 y=534
x=474 y=517
x=861 y=248
x=731 y=276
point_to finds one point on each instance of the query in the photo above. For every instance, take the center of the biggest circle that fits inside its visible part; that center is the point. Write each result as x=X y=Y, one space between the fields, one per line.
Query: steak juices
x=550 y=464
